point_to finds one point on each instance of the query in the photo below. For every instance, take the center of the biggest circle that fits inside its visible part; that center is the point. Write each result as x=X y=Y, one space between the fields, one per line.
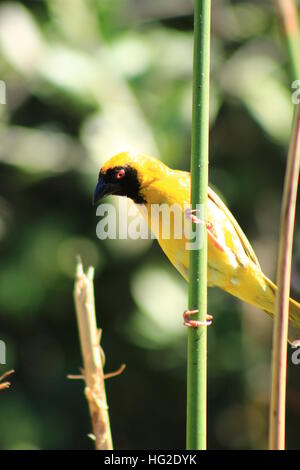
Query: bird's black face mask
x=121 y=181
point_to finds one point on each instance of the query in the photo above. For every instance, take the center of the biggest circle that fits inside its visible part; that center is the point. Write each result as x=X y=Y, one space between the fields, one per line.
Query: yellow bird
x=232 y=263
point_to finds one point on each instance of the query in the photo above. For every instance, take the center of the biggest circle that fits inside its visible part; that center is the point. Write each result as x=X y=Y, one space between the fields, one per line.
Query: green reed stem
x=197 y=337
x=288 y=15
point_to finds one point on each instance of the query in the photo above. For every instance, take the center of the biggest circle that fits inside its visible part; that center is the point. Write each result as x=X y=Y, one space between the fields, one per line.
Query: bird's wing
x=244 y=241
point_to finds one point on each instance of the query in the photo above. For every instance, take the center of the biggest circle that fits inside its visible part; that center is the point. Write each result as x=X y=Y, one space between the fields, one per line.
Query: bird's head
x=130 y=175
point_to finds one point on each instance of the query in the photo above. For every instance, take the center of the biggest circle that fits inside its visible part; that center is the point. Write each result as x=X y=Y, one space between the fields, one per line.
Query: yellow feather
x=232 y=263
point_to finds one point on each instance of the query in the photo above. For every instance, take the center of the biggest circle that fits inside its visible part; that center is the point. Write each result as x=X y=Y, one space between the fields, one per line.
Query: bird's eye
x=120 y=174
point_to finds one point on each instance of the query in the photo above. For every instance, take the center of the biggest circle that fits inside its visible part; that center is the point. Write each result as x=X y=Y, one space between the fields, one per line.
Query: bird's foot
x=190 y=214
x=196 y=323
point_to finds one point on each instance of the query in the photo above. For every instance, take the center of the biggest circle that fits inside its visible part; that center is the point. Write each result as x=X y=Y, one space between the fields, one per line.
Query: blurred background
x=86 y=79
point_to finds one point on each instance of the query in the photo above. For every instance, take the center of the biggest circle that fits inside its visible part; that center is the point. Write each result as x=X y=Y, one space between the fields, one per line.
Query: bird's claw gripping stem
x=190 y=215
x=196 y=323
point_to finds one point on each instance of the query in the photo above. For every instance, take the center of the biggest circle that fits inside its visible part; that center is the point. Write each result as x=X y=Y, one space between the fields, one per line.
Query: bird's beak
x=102 y=189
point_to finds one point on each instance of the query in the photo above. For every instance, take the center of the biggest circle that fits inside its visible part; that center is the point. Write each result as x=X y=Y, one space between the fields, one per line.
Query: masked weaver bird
x=232 y=263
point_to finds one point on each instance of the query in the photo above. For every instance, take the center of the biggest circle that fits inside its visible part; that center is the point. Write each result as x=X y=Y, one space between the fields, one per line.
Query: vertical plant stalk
x=197 y=337
x=92 y=360
x=280 y=329
x=288 y=16
x=287 y=10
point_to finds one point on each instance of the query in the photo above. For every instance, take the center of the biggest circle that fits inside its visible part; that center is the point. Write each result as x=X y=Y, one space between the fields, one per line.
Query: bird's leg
x=196 y=323
x=190 y=215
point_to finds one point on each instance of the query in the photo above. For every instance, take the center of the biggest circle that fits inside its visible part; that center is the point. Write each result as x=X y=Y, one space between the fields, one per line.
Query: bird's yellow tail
x=261 y=293
x=294 y=312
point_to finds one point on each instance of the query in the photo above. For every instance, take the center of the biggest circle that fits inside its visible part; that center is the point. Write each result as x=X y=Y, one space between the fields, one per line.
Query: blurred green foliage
x=85 y=79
